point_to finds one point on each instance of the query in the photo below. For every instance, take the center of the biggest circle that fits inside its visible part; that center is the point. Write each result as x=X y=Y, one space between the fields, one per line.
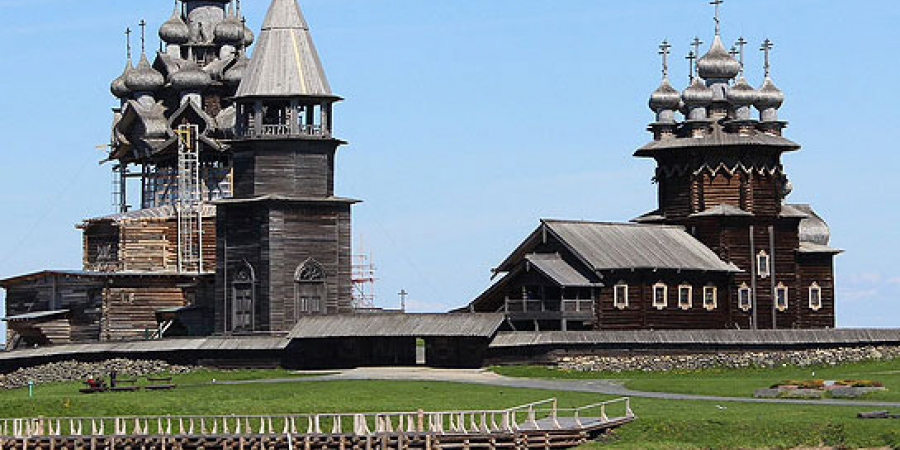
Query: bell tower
x=283 y=239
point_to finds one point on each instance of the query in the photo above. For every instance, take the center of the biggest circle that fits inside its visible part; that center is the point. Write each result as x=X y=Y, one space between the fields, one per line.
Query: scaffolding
x=189 y=206
x=363 y=282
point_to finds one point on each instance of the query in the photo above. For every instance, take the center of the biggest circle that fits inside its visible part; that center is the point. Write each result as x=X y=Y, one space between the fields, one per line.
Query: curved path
x=485 y=377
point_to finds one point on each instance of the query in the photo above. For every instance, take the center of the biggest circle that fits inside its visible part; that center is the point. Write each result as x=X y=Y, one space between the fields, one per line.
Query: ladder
x=189 y=206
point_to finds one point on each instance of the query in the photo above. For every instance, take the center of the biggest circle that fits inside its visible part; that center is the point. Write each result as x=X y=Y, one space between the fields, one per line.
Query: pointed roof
x=285 y=62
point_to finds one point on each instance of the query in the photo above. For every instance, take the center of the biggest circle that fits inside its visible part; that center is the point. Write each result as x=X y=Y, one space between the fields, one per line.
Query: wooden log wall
x=130 y=312
x=819 y=269
x=101 y=247
x=81 y=296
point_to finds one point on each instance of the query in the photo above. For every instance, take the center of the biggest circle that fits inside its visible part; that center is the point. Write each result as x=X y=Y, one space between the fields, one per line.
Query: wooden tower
x=284 y=239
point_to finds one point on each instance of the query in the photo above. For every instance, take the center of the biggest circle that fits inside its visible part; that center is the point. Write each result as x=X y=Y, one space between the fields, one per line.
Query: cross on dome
x=664 y=50
x=767 y=46
x=717 y=4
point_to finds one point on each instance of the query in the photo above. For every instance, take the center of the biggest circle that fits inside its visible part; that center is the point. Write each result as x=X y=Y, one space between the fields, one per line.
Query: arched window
x=763 y=265
x=309 y=289
x=243 y=298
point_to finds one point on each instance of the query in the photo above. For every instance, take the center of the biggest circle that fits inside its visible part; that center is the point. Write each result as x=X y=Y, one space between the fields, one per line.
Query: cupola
x=144 y=80
x=741 y=96
x=190 y=81
x=118 y=87
x=175 y=31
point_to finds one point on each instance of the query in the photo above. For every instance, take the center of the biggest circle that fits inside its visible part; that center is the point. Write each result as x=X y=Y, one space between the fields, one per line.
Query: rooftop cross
x=767 y=46
x=664 y=50
x=143 y=26
x=717 y=4
x=741 y=42
x=691 y=57
x=696 y=43
x=403 y=294
x=128 y=42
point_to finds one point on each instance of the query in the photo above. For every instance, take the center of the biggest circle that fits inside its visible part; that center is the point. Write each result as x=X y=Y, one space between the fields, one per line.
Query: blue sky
x=469 y=120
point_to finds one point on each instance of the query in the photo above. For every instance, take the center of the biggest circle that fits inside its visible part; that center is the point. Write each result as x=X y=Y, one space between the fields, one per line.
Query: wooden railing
x=565 y=305
x=284 y=130
x=543 y=415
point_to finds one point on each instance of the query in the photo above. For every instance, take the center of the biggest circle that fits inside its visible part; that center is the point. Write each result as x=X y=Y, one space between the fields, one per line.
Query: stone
x=854 y=392
x=766 y=393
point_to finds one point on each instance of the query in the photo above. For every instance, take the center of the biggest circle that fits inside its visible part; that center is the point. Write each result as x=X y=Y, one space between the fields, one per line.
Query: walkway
x=486 y=377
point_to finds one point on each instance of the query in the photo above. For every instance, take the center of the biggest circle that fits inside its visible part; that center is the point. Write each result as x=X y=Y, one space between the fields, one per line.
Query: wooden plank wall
x=81 y=296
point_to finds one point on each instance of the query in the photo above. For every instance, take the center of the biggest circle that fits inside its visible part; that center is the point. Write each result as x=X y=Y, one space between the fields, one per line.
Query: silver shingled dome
x=190 y=78
x=118 y=87
x=769 y=96
x=741 y=94
x=665 y=98
x=697 y=94
x=144 y=78
x=229 y=31
x=235 y=73
x=718 y=64
x=174 y=30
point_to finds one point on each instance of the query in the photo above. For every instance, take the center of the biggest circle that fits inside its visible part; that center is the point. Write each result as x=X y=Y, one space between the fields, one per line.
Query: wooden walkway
x=540 y=425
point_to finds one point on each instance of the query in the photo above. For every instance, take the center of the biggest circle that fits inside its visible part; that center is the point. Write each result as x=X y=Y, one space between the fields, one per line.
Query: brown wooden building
x=722 y=188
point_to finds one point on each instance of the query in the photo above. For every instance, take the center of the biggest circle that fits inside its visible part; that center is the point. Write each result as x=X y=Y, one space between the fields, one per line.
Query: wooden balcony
x=531 y=309
x=277 y=131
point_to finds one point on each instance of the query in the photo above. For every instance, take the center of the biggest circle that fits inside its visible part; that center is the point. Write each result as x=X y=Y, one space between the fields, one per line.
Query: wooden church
x=724 y=249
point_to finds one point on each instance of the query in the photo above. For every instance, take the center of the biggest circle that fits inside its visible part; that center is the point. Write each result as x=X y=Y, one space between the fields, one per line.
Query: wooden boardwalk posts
x=539 y=425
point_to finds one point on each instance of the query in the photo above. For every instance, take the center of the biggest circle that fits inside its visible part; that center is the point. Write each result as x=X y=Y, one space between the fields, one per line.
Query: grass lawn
x=729 y=382
x=662 y=424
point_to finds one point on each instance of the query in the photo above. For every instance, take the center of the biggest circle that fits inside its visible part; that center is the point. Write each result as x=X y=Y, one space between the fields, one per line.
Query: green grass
x=662 y=424
x=728 y=382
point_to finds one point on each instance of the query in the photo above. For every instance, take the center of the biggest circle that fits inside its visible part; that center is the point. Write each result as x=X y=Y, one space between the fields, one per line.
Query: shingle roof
x=39 y=315
x=719 y=138
x=610 y=246
x=398 y=325
x=723 y=211
x=698 y=338
x=553 y=266
x=158 y=213
x=285 y=62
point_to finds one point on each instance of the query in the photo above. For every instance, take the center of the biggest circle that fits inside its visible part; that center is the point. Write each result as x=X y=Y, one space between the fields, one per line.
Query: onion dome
x=248 y=37
x=118 y=86
x=229 y=31
x=741 y=94
x=769 y=96
x=235 y=73
x=665 y=98
x=190 y=78
x=144 y=78
x=697 y=94
x=174 y=30
x=718 y=64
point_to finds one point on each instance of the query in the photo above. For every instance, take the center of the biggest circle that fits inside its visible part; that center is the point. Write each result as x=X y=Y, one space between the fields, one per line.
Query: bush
x=860 y=383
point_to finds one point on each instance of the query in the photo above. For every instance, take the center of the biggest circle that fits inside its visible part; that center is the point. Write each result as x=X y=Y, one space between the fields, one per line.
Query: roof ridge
x=628 y=224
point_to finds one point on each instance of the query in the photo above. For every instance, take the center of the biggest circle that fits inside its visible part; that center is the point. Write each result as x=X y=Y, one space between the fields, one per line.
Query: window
x=763 y=266
x=660 y=296
x=710 y=297
x=815 y=297
x=745 y=302
x=309 y=289
x=685 y=294
x=620 y=293
x=242 y=296
x=781 y=297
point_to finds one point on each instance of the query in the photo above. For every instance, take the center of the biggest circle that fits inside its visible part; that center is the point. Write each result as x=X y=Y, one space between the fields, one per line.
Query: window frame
x=665 y=297
x=779 y=290
x=814 y=287
x=760 y=257
x=620 y=301
x=715 y=297
x=743 y=288
x=685 y=306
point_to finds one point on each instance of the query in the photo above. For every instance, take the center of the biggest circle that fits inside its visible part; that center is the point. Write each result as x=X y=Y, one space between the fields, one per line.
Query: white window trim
x=763 y=273
x=690 y=296
x=818 y=289
x=620 y=303
x=715 y=298
x=778 y=290
x=665 y=302
x=749 y=305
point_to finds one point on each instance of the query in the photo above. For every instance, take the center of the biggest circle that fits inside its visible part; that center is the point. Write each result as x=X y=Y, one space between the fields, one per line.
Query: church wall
x=301 y=168
x=130 y=312
x=101 y=247
x=816 y=268
x=675 y=195
x=244 y=230
x=300 y=233
x=642 y=314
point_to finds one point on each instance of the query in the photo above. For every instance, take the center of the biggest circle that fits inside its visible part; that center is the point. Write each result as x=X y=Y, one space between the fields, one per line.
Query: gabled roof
x=37 y=316
x=166 y=212
x=554 y=267
x=618 y=246
x=285 y=62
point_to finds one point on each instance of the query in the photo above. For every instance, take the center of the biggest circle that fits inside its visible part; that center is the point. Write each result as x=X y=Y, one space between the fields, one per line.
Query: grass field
x=661 y=425
x=730 y=382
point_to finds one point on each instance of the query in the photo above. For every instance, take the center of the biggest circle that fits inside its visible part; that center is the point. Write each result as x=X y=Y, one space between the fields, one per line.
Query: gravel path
x=485 y=377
